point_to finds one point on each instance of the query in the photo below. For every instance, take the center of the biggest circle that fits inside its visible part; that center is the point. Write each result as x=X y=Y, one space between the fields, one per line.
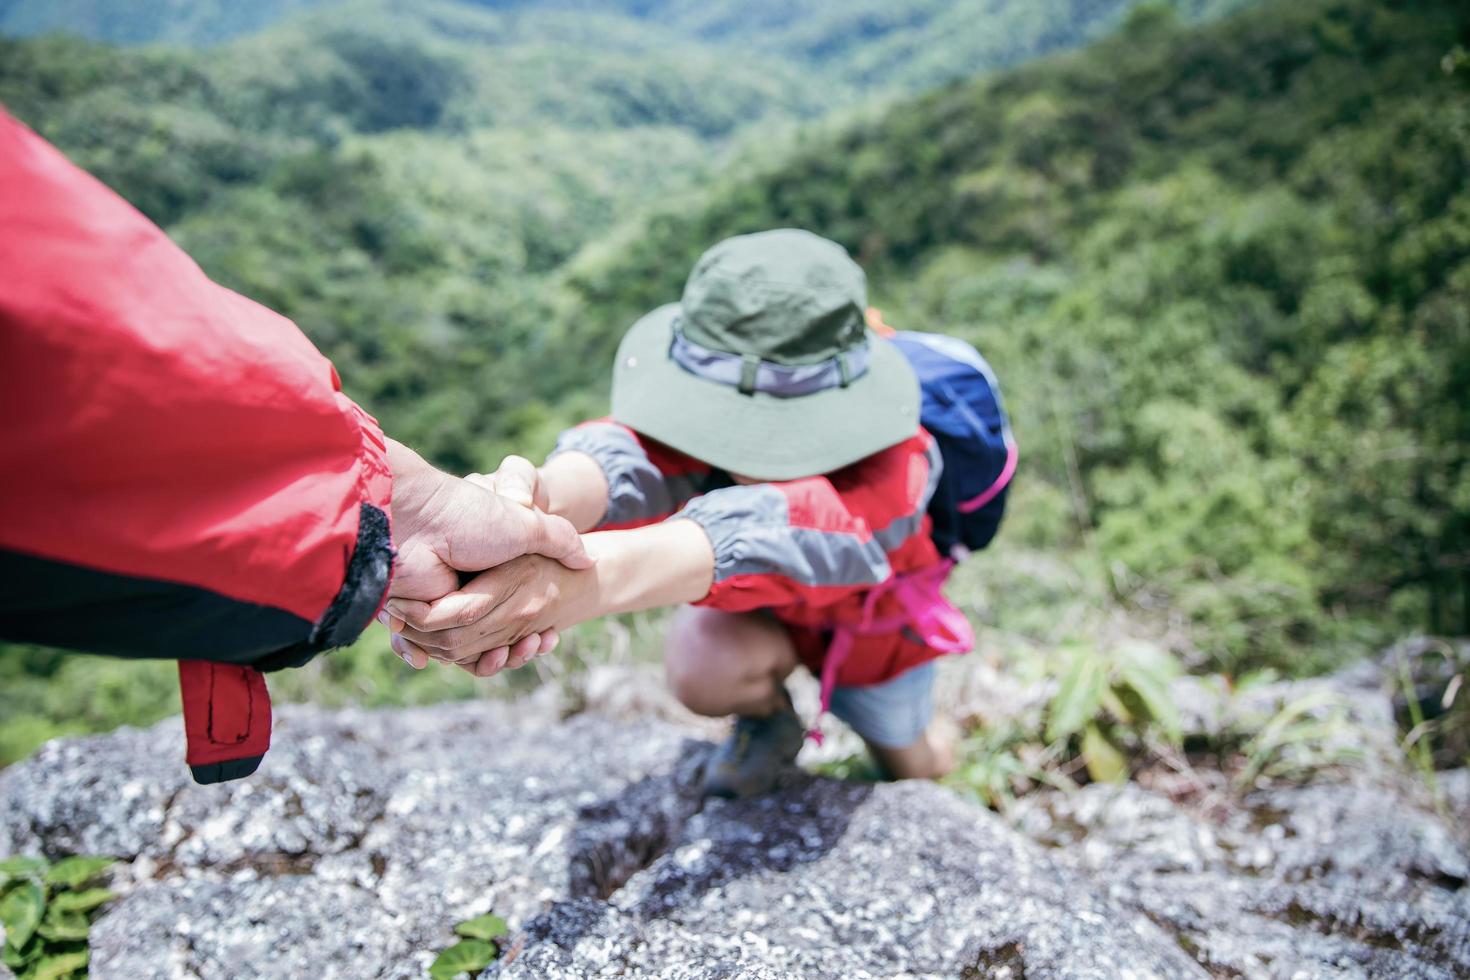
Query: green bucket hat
x=766 y=367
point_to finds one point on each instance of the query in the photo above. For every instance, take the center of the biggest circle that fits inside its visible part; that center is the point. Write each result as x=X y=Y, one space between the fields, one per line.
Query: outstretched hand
x=485 y=626
x=443 y=526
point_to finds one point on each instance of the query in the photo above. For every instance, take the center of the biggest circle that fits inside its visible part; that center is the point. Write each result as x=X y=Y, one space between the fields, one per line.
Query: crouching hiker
x=765 y=465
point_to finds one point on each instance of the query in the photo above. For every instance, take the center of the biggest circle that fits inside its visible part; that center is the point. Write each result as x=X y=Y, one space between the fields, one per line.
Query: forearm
x=576 y=488
x=660 y=565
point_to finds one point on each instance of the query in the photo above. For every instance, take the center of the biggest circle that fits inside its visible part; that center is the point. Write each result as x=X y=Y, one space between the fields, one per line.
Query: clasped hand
x=507 y=614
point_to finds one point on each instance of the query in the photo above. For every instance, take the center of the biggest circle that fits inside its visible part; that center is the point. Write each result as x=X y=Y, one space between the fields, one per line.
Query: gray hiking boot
x=747 y=762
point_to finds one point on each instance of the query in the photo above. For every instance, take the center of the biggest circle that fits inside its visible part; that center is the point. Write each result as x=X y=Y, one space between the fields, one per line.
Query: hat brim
x=760 y=435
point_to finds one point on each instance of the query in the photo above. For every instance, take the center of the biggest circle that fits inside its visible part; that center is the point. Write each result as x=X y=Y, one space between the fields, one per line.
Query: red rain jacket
x=182 y=475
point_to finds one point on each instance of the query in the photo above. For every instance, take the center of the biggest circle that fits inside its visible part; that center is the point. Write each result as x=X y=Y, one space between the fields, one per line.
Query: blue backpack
x=962 y=410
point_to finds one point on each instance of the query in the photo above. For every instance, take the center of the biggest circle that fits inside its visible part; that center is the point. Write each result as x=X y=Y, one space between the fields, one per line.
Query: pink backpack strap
x=936 y=620
x=1007 y=471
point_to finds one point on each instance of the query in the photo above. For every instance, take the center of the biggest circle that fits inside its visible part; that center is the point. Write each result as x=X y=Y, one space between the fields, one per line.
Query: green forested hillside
x=876 y=44
x=1224 y=272
x=143 y=21
x=915 y=44
x=1225 y=276
x=397 y=176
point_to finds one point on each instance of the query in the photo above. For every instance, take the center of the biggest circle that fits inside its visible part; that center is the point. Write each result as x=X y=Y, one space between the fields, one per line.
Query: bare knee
x=686 y=652
x=720 y=663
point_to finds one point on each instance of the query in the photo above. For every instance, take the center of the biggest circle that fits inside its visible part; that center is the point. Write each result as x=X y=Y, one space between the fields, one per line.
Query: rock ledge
x=366 y=835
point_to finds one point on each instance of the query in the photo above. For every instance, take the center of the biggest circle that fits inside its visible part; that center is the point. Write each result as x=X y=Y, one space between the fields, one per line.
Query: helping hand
x=443 y=526
x=494 y=621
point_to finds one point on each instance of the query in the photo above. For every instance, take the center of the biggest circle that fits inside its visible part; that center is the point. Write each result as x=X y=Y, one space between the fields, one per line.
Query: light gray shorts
x=892 y=714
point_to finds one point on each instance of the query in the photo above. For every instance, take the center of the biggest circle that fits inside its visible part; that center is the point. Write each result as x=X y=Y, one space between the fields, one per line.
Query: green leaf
x=1150 y=659
x=60 y=965
x=1255 y=679
x=74 y=871
x=1285 y=727
x=23 y=867
x=12 y=957
x=1105 y=763
x=83 y=901
x=21 y=912
x=486 y=927
x=21 y=960
x=1079 y=697
x=1152 y=693
x=1113 y=701
x=63 y=926
x=468 y=956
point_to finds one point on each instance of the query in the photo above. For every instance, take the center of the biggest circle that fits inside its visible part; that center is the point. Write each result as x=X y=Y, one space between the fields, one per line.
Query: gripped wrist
x=414 y=483
x=574 y=595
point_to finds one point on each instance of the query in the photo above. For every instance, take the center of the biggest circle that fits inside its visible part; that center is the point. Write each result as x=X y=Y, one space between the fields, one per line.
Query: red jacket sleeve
x=165 y=437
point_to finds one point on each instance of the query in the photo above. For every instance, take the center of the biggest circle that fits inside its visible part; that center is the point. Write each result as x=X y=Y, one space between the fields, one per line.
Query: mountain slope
x=1224 y=273
x=1224 y=268
x=394 y=180
x=878 y=45
x=397 y=176
x=914 y=45
x=147 y=21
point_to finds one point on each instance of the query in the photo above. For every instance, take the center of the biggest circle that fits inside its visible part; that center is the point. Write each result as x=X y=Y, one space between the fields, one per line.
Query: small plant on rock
x=481 y=946
x=47 y=910
x=1308 y=734
x=1113 y=698
x=1109 y=702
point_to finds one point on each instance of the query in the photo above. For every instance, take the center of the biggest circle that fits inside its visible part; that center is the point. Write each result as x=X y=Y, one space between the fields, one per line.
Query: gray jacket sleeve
x=638 y=492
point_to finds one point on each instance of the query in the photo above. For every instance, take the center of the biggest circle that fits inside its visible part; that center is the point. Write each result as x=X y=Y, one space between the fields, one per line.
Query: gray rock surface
x=1455 y=786
x=366 y=835
x=825 y=879
x=1329 y=880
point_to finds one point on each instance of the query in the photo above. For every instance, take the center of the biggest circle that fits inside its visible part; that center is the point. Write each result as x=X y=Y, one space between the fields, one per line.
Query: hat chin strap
x=750 y=374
